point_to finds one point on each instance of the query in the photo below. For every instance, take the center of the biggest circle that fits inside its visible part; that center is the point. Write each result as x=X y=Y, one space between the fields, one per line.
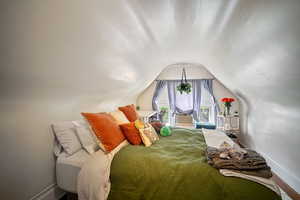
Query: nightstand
x=146 y=114
x=228 y=122
x=230 y=125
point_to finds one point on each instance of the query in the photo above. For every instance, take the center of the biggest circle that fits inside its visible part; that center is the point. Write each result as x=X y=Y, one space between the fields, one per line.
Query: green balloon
x=165 y=131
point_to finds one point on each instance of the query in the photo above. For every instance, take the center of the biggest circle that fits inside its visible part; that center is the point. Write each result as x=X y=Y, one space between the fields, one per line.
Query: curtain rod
x=186 y=79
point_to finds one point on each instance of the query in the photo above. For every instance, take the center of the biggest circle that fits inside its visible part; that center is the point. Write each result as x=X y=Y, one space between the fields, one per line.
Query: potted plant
x=163 y=114
x=184 y=86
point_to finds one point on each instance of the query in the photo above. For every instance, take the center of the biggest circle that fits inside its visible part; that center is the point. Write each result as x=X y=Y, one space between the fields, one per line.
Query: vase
x=227 y=110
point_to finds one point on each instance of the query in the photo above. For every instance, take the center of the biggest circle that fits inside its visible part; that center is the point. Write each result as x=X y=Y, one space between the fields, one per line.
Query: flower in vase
x=227 y=103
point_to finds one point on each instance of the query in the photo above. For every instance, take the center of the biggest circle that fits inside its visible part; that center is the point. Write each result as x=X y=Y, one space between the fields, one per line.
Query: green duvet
x=175 y=168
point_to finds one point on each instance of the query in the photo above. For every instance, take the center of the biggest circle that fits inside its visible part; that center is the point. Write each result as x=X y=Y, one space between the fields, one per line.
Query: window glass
x=163 y=102
x=204 y=113
x=184 y=101
x=206 y=109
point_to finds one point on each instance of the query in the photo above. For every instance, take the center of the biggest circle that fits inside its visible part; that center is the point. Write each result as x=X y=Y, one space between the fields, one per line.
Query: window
x=164 y=111
x=206 y=109
x=204 y=113
x=163 y=102
x=185 y=102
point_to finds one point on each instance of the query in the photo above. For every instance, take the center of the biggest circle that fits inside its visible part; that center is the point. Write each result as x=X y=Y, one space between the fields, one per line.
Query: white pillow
x=119 y=117
x=66 y=136
x=86 y=137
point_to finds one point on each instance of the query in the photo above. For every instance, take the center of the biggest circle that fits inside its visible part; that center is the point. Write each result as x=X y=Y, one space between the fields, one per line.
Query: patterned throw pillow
x=148 y=135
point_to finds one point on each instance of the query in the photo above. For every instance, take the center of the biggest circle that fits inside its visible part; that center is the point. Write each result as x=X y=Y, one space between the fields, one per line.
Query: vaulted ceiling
x=105 y=53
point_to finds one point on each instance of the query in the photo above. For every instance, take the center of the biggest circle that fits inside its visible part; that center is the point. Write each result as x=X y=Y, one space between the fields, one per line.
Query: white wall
x=194 y=71
x=52 y=68
x=61 y=57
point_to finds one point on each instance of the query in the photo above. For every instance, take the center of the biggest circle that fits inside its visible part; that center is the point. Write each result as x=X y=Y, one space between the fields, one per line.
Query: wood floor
x=289 y=193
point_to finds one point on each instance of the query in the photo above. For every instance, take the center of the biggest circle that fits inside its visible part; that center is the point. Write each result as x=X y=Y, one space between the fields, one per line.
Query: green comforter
x=175 y=168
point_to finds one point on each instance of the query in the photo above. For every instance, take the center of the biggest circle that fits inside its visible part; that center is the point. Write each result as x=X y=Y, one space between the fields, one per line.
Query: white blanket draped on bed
x=93 y=180
x=215 y=138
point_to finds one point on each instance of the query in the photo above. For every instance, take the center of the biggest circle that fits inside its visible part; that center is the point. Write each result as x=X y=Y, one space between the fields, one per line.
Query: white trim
x=51 y=192
x=292 y=180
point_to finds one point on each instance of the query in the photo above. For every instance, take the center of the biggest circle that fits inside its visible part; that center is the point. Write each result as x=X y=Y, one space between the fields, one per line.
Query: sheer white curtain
x=208 y=85
x=207 y=113
x=184 y=101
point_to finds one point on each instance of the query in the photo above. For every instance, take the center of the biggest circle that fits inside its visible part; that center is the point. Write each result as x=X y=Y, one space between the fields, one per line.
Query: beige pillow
x=119 y=117
x=86 y=136
x=148 y=135
x=66 y=136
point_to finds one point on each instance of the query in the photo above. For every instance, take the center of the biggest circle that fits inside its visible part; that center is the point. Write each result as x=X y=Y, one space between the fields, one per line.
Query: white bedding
x=68 y=168
x=93 y=180
x=214 y=138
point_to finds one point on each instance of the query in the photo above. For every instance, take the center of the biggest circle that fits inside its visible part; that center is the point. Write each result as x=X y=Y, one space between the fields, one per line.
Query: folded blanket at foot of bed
x=251 y=164
x=216 y=139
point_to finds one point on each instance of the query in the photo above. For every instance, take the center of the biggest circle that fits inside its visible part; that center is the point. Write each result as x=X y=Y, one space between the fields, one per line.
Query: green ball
x=165 y=131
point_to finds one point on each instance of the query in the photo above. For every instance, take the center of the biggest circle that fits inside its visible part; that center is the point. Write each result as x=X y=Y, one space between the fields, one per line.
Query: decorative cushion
x=86 y=137
x=131 y=133
x=130 y=112
x=165 y=131
x=119 y=117
x=157 y=126
x=106 y=129
x=66 y=136
x=139 y=124
x=148 y=135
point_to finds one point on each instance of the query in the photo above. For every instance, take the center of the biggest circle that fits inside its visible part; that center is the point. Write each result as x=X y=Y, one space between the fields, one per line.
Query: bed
x=173 y=168
x=68 y=168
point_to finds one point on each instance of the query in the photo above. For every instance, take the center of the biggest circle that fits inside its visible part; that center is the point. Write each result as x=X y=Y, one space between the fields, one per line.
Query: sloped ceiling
x=104 y=53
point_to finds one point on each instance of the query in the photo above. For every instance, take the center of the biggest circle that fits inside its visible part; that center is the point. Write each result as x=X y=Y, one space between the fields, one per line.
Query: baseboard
x=51 y=192
x=290 y=179
x=285 y=175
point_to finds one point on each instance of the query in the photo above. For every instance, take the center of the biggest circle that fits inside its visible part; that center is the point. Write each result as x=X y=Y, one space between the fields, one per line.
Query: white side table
x=228 y=123
x=146 y=114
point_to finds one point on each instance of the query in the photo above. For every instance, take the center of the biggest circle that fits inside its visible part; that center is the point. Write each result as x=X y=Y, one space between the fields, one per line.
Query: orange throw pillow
x=131 y=133
x=130 y=112
x=106 y=129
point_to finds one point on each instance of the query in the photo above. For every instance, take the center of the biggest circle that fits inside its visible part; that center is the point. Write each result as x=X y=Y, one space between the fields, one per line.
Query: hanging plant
x=184 y=86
